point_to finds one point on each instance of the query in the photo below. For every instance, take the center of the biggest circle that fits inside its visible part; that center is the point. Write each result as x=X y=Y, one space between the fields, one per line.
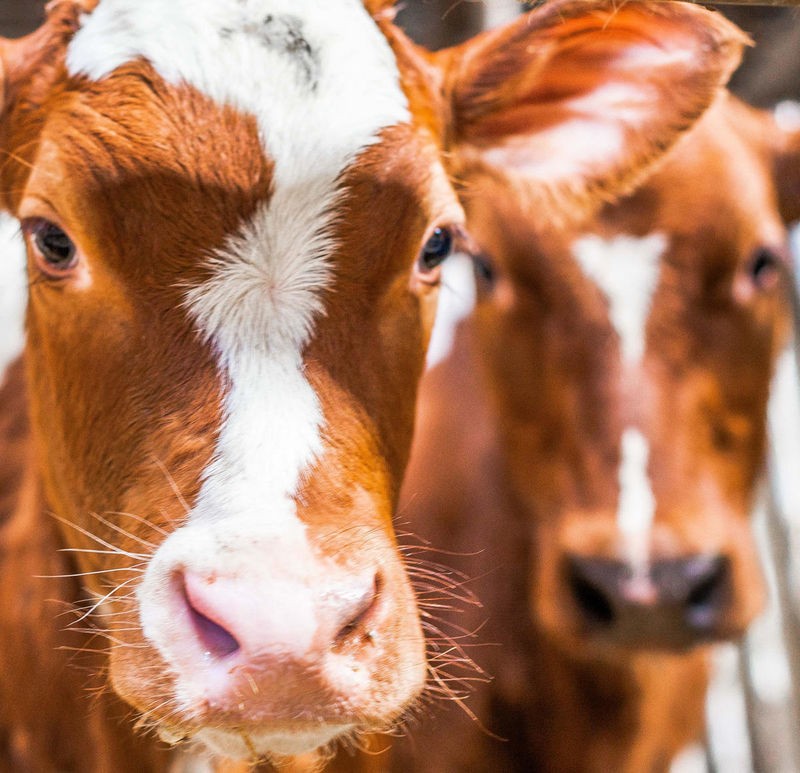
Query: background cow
x=235 y=215
x=589 y=452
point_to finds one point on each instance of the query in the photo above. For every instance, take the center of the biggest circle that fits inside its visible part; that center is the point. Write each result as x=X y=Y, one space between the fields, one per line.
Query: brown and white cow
x=235 y=212
x=592 y=444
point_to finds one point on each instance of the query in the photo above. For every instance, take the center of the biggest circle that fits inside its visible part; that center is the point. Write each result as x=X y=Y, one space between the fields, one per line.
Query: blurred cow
x=590 y=448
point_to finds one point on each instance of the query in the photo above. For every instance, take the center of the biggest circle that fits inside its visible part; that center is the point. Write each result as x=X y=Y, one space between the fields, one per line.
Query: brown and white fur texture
x=226 y=206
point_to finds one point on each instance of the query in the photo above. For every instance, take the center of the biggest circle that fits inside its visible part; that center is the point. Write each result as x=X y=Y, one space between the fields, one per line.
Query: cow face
x=630 y=359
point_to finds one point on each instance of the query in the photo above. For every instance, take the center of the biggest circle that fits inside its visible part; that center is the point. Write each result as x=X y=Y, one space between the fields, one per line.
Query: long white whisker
x=104 y=599
x=86 y=574
x=99 y=540
x=143 y=521
x=174 y=486
x=122 y=531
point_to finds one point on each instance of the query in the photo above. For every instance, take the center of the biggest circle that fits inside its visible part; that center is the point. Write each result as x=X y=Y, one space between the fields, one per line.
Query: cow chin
x=290 y=743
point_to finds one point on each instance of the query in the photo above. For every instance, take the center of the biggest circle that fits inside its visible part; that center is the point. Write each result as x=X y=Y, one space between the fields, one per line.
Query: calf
x=235 y=213
x=590 y=448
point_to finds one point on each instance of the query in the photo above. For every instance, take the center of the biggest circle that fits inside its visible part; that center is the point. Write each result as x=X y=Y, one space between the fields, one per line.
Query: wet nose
x=672 y=603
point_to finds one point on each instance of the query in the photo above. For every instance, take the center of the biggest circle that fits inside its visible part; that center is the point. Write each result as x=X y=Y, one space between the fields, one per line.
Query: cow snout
x=262 y=630
x=285 y=621
x=672 y=603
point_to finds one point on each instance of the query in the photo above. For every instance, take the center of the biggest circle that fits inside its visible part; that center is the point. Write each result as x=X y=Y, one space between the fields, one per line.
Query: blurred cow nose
x=674 y=603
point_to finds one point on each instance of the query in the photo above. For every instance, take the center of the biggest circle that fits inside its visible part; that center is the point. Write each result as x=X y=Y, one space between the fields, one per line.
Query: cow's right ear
x=575 y=100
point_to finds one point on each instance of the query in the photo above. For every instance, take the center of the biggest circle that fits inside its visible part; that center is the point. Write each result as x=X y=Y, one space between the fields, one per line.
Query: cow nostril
x=360 y=611
x=217 y=641
x=591 y=600
x=705 y=598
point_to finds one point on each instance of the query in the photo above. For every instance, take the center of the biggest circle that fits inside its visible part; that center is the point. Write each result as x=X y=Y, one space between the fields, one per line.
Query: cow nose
x=228 y=618
x=672 y=603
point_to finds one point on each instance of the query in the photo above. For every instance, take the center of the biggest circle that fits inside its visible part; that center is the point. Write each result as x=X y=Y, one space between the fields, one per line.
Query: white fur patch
x=626 y=269
x=637 y=504
x=500 y=12
x=456 y=301
x=691 y=760
x=787 y=115
x=322 y=82
x=13 y=292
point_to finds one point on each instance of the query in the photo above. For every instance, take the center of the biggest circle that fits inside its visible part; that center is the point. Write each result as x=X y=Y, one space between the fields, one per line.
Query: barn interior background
x=752 y=710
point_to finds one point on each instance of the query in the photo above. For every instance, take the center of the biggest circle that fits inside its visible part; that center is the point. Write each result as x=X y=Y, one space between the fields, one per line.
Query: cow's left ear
x=575 y=100
x=787 y=160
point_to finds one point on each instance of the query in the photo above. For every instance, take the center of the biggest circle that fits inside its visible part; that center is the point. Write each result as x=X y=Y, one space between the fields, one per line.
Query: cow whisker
x=87 y=574
x=123 y=532
x=143 y=521
x=115 y=550
x=173 y=485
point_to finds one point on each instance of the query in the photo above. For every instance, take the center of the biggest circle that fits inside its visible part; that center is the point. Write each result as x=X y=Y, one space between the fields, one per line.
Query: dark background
x=771 y=71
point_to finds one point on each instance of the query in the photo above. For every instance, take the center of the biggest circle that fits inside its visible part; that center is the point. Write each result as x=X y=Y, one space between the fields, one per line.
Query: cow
x=589 y=452
x=235 y=214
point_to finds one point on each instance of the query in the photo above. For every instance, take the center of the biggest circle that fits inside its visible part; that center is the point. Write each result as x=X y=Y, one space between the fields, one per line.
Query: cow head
x=630 y=358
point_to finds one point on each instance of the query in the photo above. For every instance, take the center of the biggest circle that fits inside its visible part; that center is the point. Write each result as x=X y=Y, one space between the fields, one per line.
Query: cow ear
x=575 y=100
x=787 y=160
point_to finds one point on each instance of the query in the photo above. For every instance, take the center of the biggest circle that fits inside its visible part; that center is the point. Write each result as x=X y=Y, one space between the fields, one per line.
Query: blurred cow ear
x=573 y=101
x=787 y=160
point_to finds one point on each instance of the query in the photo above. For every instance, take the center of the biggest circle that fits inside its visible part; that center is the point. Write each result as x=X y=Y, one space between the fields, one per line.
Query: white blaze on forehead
x=626 y=269
x=456 y=301
x=13 y=292
x=637 y=504
x=321 y=81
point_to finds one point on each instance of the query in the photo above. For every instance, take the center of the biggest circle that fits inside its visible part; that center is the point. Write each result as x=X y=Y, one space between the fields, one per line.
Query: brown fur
x=515 y=462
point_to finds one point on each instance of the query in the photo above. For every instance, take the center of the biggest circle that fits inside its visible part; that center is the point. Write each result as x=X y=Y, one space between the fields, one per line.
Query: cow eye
x=764 y=268
x=54 y=251
x=484 y=269
x=437 y=249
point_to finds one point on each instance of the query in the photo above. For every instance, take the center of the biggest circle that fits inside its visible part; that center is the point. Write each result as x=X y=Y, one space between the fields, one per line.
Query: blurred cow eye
x=765 y=267
x=484 y=270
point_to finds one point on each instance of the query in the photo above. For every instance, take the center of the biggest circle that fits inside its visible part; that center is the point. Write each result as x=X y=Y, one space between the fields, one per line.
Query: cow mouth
x=259 y=743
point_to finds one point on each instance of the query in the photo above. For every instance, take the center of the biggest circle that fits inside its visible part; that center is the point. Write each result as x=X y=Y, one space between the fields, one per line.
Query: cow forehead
x=626 y=269
x=320 y=78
